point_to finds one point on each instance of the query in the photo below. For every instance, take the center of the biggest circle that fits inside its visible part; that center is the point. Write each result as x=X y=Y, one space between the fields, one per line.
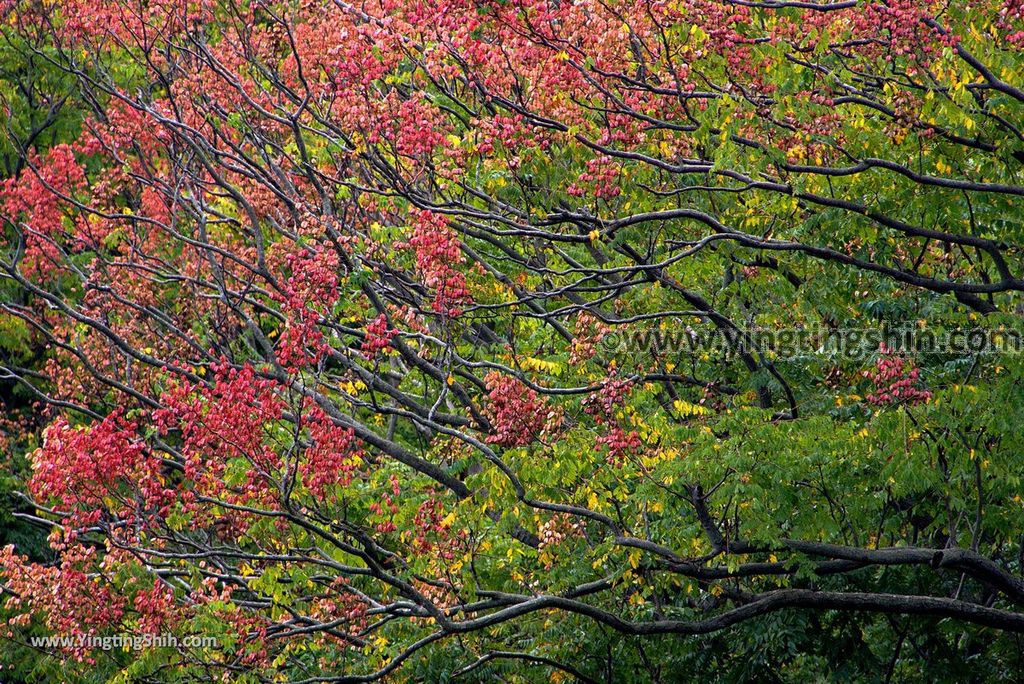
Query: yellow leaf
x=685 y=408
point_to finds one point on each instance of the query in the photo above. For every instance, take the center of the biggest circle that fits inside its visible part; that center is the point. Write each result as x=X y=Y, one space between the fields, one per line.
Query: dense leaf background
x=500 y=340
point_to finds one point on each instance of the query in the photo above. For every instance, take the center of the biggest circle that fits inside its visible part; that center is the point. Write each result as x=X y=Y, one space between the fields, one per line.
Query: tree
x=457 y=339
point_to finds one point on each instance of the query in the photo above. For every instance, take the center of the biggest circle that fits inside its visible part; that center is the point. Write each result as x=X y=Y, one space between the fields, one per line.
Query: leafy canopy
x=432 y=340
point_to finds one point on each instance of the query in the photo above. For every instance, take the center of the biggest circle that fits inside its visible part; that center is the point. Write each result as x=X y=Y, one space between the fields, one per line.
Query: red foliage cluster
x=1011 y=19
x=433 y=532
x=517 y=412
x=419 y=128
x=73 y=604
x=333 y=456
x=223 y=422
x=437 y=255
x=904 y=22
x=341 y=606
x=378 y=336
x=599 y=180
x=588 y=334
x=83 y=469
x=313 y=282
x=511 y=132
x=896 y=380
x=35 y=196
x=155 y=607
x=310 y=291
x=621 y=443
x=603 y=406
